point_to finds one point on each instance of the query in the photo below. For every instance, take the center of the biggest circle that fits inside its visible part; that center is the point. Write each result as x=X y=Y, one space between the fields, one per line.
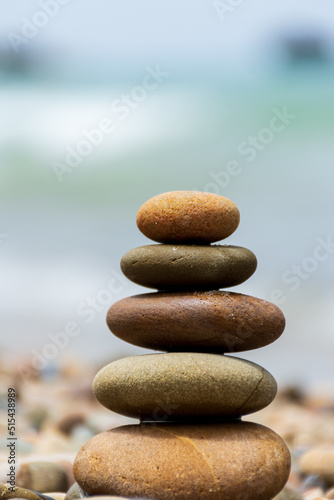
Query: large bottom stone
x=225 y=461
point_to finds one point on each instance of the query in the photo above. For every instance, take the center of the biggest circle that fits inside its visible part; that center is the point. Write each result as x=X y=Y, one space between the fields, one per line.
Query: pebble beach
x=218 y=436
x=58 y=442
x=161 y=362
x=57 y=413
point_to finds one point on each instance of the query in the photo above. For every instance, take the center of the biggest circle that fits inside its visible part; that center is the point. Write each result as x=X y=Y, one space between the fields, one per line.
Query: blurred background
x=106 y=104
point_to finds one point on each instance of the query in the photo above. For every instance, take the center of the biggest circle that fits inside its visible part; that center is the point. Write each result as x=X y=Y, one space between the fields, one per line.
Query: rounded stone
x=177 y=267
x=8 y=491
x=188 y=217
x=176 y=386
x=215 y=321
x=225 y=461
x=42 y=476
x=75 y=492
x=319 y=461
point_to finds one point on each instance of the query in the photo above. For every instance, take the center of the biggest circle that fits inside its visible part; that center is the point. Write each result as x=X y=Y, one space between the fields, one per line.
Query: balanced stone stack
x=191 y=442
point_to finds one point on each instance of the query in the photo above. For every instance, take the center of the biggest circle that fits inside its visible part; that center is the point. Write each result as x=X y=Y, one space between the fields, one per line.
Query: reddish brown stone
x=214 y=321
x=226 y=461
x=188 y=216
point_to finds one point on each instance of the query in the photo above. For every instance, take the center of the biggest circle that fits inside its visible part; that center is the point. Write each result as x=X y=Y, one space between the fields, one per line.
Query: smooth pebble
x=319 y=461
x=176 y=386
x=193 y=267
x=188 y=217
x=226 y=461
x=214 y=321
x=42 y=476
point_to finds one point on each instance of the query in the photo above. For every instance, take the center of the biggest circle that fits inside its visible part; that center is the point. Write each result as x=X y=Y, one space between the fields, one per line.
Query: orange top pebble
x=188 y=217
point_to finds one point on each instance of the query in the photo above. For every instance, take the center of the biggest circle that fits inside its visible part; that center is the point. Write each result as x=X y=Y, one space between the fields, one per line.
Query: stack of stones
x=191 y=442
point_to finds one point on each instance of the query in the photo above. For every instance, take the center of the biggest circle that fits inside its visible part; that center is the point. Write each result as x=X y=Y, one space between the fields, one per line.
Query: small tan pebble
x=313 y=494
x=319 y=461
x=42 y=476
x=330 y=493
x=319 y=401
x=69 y=422
x=37 y=417
x=75 y=492
x=52 y=441
x=7 y=491
x=288 y=493
x=292 y=394
x=188 y=216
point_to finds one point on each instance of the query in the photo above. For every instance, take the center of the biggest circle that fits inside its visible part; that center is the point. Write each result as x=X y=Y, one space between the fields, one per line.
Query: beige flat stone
x=175 y=386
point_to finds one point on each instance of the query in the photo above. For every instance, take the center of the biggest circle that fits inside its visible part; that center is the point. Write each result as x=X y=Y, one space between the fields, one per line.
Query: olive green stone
x=196 y=267
x=176 y=386
x=8 y=491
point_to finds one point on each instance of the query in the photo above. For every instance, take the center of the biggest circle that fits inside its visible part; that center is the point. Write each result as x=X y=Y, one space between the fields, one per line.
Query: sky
x=60 y=241
x=187 y=31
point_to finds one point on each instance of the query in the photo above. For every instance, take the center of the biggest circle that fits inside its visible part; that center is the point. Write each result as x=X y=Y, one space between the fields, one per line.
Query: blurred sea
x=61 y=242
